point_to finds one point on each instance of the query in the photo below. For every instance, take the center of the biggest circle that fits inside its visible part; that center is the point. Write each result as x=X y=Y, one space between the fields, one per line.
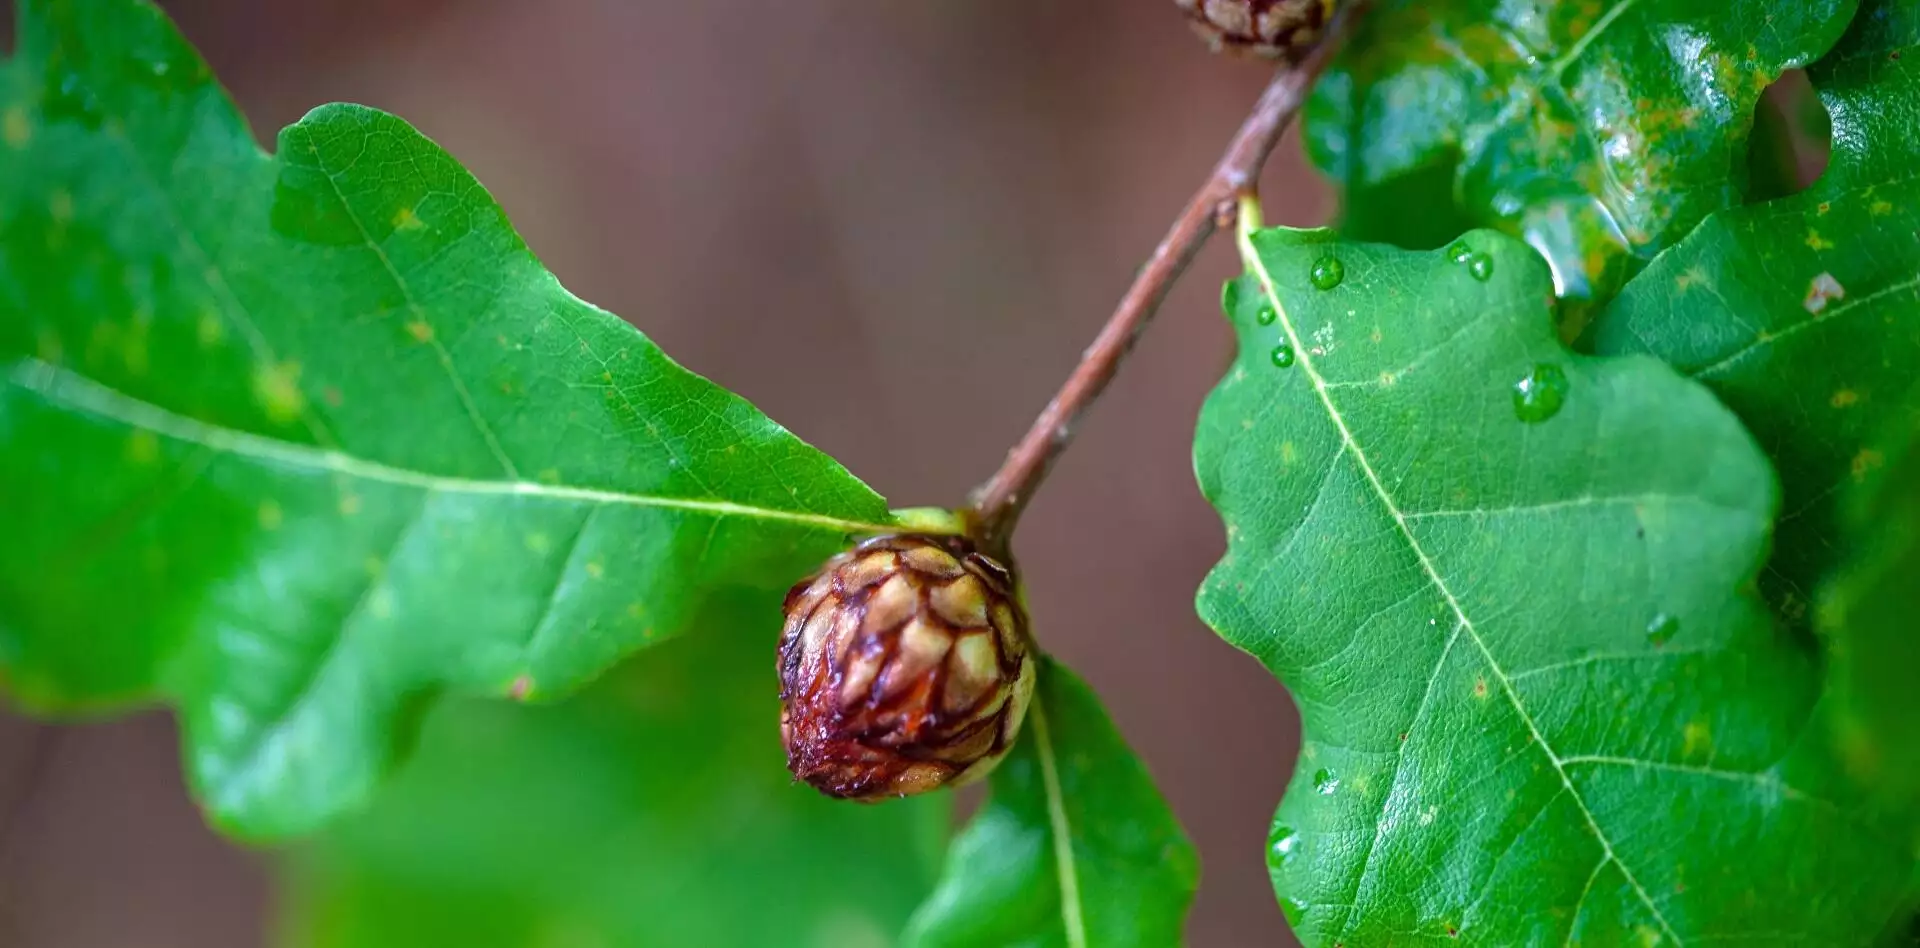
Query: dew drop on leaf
x=1481 y=266
x=1230 y=298
x=1283 y=840
x=1327 y=273
x=1290 y=909
x=1459 y=252
x=1282 y=355
x=1539 y=393
x=1661 y=628
x=1267 y=315
x=1325 y=782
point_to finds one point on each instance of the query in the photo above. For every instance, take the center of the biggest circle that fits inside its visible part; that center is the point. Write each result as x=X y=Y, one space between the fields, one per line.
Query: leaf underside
x=297 y=442
x=1542 y=703
x=650 y=810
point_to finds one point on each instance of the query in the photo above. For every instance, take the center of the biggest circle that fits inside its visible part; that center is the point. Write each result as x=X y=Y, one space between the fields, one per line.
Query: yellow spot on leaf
x=1288 y=453
x=209 y=328
x=17 y=130
x=595 y=570
x=270 y=515
x=549 y=476
x=635 y=610
x=1817 y=242
x=60 y=207
x=277 y=386
x=1822 y=208
x=1880 y=208
x=1843 y=398
x=538 y=543
x=405 y=219
x=1692 y=276
x=1697 y=738
x=420 y=331
x=349 y=504
x=374 y=566
x=1866 y=462
x=1648 y=937
x=143 y=447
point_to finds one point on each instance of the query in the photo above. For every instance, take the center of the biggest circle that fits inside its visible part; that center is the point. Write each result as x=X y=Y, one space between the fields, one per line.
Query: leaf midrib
x=1251 y=258
x=1066 y=868
x=73 y=392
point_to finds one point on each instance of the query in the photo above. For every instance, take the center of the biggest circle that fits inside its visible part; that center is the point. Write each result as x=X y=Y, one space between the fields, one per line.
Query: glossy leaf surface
x=1601 y=131
x=1803 y=314
x=1509 y=587
x=295 y=442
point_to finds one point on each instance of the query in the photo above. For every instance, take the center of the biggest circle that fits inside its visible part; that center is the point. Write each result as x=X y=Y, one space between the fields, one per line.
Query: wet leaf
x=1803 y=314
x=1508 y=586
x=1601 y=131
x=297 y=442
x=1074 y=847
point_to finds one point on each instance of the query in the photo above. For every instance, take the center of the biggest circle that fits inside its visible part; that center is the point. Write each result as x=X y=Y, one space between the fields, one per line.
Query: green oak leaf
x=651 y=809
x=297 y=442
x=1509 y=588
x=1073 y=848
x=1803 y=314
x=1601 y=131
x=1866 y=614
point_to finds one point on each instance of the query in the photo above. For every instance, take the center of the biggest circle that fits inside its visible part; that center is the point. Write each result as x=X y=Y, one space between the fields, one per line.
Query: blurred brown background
x=893 y=226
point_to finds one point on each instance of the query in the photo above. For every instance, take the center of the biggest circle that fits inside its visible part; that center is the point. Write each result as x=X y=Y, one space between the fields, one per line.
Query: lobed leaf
x=1509 y=588
x=1074 y=847
x=298 y=442
x=1600 y=131
x=652 y=809
x=1803 y=314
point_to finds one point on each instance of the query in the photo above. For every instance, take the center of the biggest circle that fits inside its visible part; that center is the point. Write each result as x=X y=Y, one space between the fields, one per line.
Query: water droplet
x=1327 y=273
x=1539 y=393
x=1282 y=356
x=1325 y=782
x=1267 y=315
x=1459 y=252
x=1283 y=840
x=1291 y=910
x=1481 y=266
x=1662 y=628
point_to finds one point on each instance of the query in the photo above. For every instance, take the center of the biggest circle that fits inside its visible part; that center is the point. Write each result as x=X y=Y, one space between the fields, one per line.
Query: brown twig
x=997 y=504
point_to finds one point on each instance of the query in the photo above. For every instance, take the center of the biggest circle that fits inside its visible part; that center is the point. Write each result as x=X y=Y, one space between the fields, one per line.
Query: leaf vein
x=1065 y=867
x=1352 y=447
x=73 y=392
